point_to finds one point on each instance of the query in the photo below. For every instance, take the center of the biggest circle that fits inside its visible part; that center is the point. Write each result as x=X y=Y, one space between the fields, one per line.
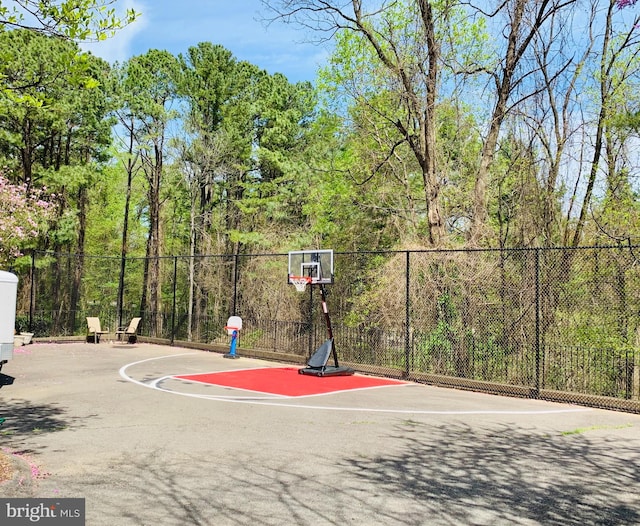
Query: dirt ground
x=7 y=468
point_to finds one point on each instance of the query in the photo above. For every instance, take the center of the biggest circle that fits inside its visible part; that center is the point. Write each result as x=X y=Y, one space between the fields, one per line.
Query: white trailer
x=8 y=295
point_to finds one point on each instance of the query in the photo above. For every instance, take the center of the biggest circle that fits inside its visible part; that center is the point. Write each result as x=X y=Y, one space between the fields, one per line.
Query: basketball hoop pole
x=317 y=364
x=233 y=326
x=315 y=267
x=234 y=342
x=327 y=319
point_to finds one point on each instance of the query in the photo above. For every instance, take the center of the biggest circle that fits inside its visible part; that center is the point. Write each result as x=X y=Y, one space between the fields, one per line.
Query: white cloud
x=119 y=47
x=237 y=25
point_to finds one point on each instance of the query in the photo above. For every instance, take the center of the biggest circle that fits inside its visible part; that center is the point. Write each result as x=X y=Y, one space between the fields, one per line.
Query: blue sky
x=238 y=25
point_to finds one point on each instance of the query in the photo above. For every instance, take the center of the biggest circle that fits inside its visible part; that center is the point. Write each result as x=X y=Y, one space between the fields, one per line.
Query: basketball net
x=300 y=282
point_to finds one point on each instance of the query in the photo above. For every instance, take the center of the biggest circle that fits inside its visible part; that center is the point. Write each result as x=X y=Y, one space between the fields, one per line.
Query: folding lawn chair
x=130 y=332
x=94 y=331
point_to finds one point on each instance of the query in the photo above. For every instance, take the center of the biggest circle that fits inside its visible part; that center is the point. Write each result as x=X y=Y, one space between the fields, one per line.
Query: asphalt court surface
x=111 y=423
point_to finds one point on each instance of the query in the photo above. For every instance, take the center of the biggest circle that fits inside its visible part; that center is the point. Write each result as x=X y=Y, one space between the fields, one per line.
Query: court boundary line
x=272 y=403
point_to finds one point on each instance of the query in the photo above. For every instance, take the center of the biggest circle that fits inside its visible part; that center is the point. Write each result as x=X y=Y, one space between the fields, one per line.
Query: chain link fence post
x=32 y=291
x=236 y=270
x=537 y=318
x=173 y=305
x=407 y=316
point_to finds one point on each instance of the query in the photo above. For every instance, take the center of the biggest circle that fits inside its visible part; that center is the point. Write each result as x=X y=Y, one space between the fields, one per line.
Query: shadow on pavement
x=507 y=475
x=433 y=474
x=23 y=419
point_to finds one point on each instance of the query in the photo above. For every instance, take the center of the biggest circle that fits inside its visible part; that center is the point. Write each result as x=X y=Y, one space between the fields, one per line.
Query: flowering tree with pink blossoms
x=23 y=217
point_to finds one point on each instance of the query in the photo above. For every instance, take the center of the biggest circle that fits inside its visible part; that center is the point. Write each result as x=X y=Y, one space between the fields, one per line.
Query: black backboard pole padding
x=321 y=355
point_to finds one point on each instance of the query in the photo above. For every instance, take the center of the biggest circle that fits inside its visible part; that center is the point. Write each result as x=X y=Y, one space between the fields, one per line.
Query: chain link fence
x=556 y=324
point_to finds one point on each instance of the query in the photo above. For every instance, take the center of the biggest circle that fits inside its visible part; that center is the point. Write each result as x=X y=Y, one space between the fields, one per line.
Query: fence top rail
x=629 y=247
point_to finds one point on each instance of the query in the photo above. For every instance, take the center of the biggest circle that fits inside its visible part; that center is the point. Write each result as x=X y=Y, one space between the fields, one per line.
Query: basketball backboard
x=234 y=323
x=316 y=264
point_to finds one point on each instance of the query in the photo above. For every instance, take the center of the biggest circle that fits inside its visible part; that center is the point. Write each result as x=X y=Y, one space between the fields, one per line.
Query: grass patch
x=581 y=430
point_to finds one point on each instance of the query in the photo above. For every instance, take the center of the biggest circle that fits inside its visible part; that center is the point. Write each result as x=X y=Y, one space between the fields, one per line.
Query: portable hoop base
x=317 y=364
x=328 y=370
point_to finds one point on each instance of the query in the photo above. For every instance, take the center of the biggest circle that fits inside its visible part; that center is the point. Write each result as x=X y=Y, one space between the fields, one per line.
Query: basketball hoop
x=300 y=282
x=234 y=324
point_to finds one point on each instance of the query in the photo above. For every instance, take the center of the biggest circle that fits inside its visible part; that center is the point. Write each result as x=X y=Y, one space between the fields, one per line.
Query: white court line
x=263 y=401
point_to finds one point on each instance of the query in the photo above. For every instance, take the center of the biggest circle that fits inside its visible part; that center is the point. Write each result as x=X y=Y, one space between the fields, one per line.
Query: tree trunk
x=154 y=237
x=26 y=153
x=192 y=254
x=130 y=166
x=480 y=197
x=430 y=177
x=78 y=269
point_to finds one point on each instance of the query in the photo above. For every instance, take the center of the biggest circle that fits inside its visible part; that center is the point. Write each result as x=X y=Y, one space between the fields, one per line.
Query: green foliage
x=105 y=216
x=243 y=157
x=59 y=127
x=39 y=326
x=148 y=87
x=43 y=77
x=381 y=78
x=224 y=158
x=72 y=19
x=437 y=347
